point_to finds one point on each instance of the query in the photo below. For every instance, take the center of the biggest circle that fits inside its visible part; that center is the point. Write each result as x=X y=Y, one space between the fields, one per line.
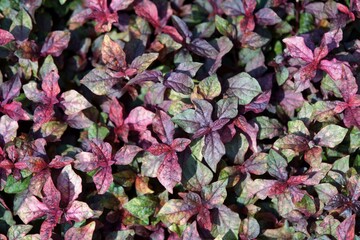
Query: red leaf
x=169 y=172
x=116 y=112
x=249 y=130
x=204 y=219
x=352 y=117
x=297 y=180
x=346 y=229
x=158 y=148
x=148 y=10
x=55 y=43
x=5 y=37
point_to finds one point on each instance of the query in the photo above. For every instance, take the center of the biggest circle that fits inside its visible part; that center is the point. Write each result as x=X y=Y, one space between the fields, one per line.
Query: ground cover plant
x=205 y=119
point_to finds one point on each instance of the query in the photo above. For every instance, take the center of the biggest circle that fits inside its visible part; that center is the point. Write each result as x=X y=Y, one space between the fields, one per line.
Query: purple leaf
x=267 y=16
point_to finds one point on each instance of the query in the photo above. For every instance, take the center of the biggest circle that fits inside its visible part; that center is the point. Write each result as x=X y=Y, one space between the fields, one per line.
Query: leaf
x=191 y=232
x=53 y=130
x=329 y=42
x=142 y=207
x=225 y=222
x=55 y=43
x=210 y=87
x=142 y=62
x=268 y=127
x=250 y=228
x=10 y=89
x=18 y=232
x=78 y=211
x=117 y=5
x=169 y=172
x=203 y=48
x=177 y=211
x=126 y=154
x=179 y=82
x=330 y=136
x=31 y=209
x=195 y=175
x=69 y=185
x=21 y=25
x=99 y=81
x=353 y=186
x=16 y=186
x=103 y=179
x=163 y=127
x=325 y=191
x=84 y=233
x=244 y=87
x=277 y=165
x=147 y=10
x=267 y=16
x=139 y=118
x=346 y=229
x=74 y=102
x=224 y=27
x=215 y=193
x=187 y=121
x=227 y=108
x=112 y=54
x=5 y=37
x=214 y=149
x=189 y=68
x=8 y=129
x=298 y=49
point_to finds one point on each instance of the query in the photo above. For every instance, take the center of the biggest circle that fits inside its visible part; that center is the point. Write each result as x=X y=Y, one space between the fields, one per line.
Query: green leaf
x=18 y=232
x=16 y=186
x=210 y=87
x=330 y=136
x=195 y=175
x=47 y=67
x=268 y=128
x=244 y=87
x=277 y=165
x=187 y=121
x=142 y=207
x=98 y=132
x=325 y=191
x=224 y=27
x=21 y=25
x=225 y=222
x=53 y=130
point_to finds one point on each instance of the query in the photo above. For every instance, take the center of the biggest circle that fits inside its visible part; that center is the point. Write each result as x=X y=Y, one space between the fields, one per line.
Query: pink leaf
x=69 y=185
x=31 y=209
x=51 y=87
x=85 y=161
x=266 y=16
x=78 y=211
x=10 y=89
x=55 y=43
x=139 y=118
x=297 y=48
x=126 y=154
x=158 y=148
x=346 y=229
x=102 y=179
x=169 y=172
x=5 y=37
x=15 y=111
x=52 y=195
x=117 y=5
x=329 y=42
x=84 y=233
x=179 y=144
x=148 y=10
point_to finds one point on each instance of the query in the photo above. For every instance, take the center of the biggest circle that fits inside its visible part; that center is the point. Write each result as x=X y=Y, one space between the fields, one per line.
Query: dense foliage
x=154 y=119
